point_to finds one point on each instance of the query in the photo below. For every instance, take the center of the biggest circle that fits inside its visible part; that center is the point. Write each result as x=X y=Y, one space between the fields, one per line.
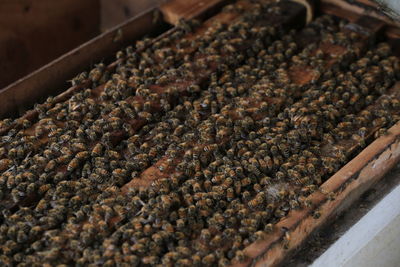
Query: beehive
x=212 y=144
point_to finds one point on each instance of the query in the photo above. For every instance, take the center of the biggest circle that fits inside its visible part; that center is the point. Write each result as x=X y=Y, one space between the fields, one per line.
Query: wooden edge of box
x=175 y=10
x=373 y=12
x=46 y=80
x=348 y=184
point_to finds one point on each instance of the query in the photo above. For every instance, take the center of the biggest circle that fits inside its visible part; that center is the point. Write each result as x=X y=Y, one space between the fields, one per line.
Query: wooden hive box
x=367 y=166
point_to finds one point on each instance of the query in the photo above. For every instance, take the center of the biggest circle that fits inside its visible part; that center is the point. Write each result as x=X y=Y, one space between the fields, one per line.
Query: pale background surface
x=372 y=241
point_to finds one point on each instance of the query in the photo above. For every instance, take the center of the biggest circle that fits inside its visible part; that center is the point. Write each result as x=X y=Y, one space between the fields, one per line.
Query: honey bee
x=240 y=256
x=97 y=150
x=73 y=164
x=380 y=132
x=79 y=79
x=83 y=155
x=208 y=260
x=360 y=140
x=286 y=237
x=51 y=165
x=96 y=73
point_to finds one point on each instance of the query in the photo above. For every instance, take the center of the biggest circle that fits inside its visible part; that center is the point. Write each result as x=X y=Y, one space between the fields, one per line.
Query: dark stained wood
x=115 y=12
x=51 y=79
x=32 y=33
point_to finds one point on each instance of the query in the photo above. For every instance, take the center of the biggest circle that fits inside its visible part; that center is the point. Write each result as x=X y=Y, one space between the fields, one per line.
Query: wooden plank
x=28 y=40
x=346 y=6
x=50 y=79
x=391 y=32
x=349 y=183
x=175 y=10
x=390 y=8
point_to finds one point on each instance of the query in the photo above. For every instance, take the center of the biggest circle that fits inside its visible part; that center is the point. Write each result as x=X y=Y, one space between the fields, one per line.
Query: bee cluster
x=194 y=145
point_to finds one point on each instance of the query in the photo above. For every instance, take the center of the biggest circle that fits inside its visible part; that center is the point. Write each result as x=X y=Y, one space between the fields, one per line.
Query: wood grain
x=175 y=10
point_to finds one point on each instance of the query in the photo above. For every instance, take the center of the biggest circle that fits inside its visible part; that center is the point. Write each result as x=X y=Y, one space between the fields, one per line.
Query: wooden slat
x=175 y=10
x=345 y=6
x=350 y=183
x=50 y=79
x=28 y=40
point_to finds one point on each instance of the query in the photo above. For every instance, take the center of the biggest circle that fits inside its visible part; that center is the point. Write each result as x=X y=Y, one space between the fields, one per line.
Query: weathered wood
x=175 y=10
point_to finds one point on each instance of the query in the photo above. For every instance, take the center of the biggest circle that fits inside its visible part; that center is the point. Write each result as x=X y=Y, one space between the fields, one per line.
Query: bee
x=97 y=150
x=216 y=241
x=303 y=180
x=240 y=256
x=113 y=154
x=50 y=166
x=280 y=175
x=255 y=203
x=145 y=115
x=395 y=103
x=208 y=260
x=150 y=260
x=286 y=237
x=360 y=140
x=81 y=156
x=308 y=189
x=96 y=73
x=78 y=146
x=73 y=164
x=380 y=132
x=79 y=79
